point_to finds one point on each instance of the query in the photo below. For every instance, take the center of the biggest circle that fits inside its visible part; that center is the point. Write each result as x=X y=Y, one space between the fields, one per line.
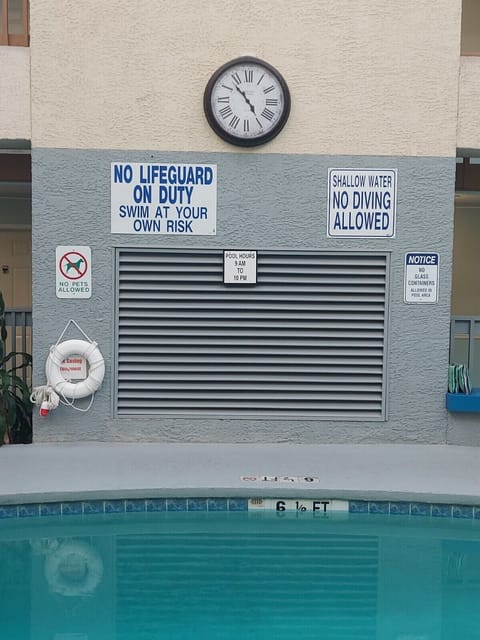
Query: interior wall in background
x=470 y=27
x=466 y=262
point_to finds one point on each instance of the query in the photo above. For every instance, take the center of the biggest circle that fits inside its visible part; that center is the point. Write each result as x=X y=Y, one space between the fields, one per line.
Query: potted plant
x=15 y=404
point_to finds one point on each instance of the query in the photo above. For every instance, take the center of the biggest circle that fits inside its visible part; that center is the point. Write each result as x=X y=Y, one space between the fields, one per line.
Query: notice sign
x=163 y=198
x=362 y=203
x=74 y=272
x=421 y=277
x=239 y=267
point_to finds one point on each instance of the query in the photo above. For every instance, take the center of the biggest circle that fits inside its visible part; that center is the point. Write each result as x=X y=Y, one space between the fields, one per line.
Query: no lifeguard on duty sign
x=74 y=272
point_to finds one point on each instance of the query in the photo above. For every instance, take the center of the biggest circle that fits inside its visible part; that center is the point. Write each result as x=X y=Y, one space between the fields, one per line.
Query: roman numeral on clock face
x=226 y=111
x=266 y=113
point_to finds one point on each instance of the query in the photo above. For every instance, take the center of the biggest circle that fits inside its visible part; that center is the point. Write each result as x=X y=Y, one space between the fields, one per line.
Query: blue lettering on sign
x=142 y=193
x=371 y=200
x=197 y=213
x=122 y=173
x=380 y=181
x=348 y=180
x=133 y=211
x=361 y=220
x=422 y=258
x=162 y=212
x=175 y=174
x=146 y=225
x=340 y=199
x=179 y=226
x=174 y=195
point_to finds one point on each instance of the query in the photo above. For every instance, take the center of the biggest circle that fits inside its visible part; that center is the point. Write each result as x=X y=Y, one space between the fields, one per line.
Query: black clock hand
x=252 y=108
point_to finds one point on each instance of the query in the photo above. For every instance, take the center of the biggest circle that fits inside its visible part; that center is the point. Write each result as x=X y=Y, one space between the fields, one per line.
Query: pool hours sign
x=362 y=203
x=163 y=198
x=239 y=267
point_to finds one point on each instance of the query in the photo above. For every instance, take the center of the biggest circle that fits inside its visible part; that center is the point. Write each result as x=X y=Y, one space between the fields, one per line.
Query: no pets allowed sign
x=74 y=272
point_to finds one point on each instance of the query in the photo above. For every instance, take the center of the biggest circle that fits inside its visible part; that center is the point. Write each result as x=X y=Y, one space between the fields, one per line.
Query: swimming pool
x=239 y=575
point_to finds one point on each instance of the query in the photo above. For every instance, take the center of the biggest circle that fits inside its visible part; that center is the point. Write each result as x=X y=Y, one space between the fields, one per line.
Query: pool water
x=239 y=576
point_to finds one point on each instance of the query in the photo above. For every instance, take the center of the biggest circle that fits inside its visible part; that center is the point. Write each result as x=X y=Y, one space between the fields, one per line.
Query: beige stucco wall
x=366 y=77
x=468 y=132
x=15 y=121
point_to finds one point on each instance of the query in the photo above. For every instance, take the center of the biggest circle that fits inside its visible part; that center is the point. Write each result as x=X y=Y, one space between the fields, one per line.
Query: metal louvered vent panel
x=307 y=340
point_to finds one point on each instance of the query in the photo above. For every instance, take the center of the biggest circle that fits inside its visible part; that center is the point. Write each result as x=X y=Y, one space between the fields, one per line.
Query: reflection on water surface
x=240 y=576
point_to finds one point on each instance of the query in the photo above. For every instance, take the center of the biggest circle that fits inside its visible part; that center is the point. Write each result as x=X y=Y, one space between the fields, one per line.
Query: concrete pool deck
x=48 y=472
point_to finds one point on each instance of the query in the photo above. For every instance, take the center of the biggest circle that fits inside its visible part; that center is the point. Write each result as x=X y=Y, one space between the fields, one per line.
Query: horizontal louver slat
x=307 y=339
x=321 y=316
x=167 y=585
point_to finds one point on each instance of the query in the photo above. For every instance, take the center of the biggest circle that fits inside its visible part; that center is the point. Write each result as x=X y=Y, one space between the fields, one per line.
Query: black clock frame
x=230 y=137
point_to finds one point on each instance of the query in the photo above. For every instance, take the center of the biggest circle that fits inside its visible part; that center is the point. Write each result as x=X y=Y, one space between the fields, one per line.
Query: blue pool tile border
x=156 y=504
x=420 y=509
x=196 y=504
x=128 y=505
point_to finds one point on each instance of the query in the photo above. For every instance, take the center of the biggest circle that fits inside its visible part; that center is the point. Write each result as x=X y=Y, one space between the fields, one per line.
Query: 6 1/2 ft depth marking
x=298 y=505
x=314 y=505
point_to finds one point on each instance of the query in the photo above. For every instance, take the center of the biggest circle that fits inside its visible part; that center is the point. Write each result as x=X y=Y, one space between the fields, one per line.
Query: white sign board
x=74 y=272
x=421 y=277
x=239 y=267
x=163 y=198
x=362 y=203
x=317 y=506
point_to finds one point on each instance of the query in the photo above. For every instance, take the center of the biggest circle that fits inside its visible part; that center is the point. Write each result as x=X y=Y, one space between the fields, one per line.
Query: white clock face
x=247 y=102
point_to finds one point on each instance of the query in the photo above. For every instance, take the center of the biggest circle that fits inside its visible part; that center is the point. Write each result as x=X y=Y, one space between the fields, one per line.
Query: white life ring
x=96 y=364
x=75 y=569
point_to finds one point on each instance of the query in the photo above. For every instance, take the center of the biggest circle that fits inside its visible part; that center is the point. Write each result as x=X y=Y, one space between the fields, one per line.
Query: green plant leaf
x=16 y=380
x=27 y=361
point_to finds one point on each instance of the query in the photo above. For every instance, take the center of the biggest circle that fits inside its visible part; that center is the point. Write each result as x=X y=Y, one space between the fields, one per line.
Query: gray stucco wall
x=264 y=202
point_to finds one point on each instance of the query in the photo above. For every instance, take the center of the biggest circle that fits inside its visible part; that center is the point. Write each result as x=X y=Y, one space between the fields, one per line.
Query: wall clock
x=247 y=102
